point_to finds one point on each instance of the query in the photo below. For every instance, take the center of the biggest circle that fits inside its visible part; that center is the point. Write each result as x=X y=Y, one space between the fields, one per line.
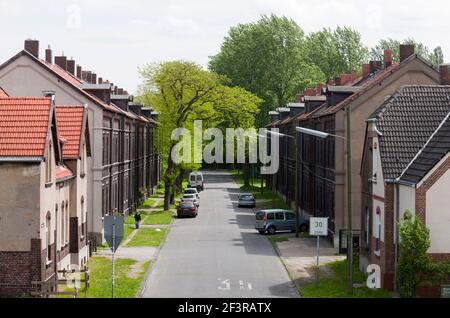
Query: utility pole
x=349 y=204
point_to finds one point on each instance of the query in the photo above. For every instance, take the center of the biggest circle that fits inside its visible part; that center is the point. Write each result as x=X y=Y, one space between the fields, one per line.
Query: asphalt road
x=219 y=254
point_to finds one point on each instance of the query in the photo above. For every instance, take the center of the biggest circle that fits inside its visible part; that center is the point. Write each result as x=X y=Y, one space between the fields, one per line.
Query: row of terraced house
x=400 y=155
x=73 y=148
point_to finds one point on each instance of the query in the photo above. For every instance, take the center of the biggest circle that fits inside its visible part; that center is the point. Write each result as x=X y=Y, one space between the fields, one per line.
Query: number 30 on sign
x=318 y=226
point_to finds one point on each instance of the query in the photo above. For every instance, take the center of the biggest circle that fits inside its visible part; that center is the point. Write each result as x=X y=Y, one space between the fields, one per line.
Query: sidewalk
x=300 y=256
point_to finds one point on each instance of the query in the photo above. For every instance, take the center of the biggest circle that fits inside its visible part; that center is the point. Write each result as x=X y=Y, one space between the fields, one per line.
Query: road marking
x=224 y=284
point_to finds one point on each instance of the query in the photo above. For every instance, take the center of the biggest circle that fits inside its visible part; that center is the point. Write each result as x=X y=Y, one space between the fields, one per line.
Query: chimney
x=61 y=61
x=406 y=50
x=94 y=78
x=310 y=92
x=79 y=71
x=71 y=66
x=100 y=80
x=354 y=75
x=444 y=71
x=375 y=66
x=49 y=55
x=120 y=91
x=32 y=46
x=298 y=98
x=365 y=70
x=319 y=88
x=345 y=79
x=387 y=58
x=116 y=90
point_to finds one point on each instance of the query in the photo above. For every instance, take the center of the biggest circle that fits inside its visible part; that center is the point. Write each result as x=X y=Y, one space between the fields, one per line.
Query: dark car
x=187 y=209
x=246 y=200
x=272 y=221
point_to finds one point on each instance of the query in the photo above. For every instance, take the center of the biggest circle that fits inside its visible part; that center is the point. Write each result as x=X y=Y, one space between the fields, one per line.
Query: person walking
x=137 y=219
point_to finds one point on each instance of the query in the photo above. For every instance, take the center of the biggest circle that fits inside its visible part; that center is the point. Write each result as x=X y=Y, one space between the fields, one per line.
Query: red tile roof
x=3 y=93
x=70 y=120
x=24 y=124
x=62 y=172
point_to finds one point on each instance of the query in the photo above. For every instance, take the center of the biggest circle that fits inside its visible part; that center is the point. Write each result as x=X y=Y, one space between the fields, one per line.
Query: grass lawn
x=148 y=204
x=336 y=287
x=160 y=217
x=126 y=285
x=148 y=237
x=127 y=230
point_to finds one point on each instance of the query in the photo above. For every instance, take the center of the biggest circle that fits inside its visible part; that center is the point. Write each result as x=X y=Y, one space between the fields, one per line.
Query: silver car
x=246 y=200
x=190 y=198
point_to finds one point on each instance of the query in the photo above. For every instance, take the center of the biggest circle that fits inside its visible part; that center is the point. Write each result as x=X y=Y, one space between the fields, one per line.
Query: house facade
x=124 y=165
x=406 y=167
x=39 y=194
x=322 y=162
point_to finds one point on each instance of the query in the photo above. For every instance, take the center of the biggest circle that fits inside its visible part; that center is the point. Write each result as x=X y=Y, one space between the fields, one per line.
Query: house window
x=83 y=218
x=367 y=229
x=378 y=229
x=83 y=160
x=63 y=223
x=48 y=166
x=106 y=148
x=47 y=236
x=67 y=223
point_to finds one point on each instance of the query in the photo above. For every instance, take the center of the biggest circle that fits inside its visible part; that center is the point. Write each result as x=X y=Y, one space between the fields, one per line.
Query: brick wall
x=19 y=269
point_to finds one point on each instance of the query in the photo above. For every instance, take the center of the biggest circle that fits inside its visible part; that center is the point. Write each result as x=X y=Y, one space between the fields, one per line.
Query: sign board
x=445 y=291
x=318 y=226
x=113 y=225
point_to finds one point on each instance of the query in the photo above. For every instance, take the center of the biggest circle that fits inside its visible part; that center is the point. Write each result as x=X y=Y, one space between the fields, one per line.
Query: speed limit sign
x=318 y=226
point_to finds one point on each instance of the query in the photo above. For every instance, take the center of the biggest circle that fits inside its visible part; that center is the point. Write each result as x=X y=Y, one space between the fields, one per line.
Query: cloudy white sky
x=115 y=37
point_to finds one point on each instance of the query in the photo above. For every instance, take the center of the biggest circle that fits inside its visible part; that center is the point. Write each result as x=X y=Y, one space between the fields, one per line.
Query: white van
x=196 y=180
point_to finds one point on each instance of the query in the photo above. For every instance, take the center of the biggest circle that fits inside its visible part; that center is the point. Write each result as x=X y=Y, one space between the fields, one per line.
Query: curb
x=277 y=250
x=143 y=285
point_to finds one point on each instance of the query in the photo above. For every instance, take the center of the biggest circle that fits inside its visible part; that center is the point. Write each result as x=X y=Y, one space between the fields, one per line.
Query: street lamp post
x=324 y=135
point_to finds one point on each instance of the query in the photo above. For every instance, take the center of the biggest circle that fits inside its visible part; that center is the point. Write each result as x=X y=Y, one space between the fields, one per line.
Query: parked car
x=272 y=221
x=246 y=200
x=196 y=180
x=192 y=191
x=190 y=198
x=187 y=209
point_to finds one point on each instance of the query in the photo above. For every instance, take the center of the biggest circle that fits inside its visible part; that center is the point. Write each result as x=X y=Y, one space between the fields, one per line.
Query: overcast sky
x=115 y=37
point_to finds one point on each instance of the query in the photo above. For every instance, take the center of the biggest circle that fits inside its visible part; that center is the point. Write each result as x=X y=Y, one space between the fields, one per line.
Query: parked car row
x=190 y=202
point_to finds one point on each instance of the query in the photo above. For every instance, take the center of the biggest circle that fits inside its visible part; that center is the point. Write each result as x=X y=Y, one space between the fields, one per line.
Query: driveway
x=219 y=254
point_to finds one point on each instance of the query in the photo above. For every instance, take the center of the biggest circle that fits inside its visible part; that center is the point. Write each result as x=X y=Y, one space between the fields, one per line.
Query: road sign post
x=113 y=235
x=318 y=227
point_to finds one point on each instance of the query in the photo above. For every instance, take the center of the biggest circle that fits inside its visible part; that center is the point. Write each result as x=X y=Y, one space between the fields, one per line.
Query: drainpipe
x=397 y=235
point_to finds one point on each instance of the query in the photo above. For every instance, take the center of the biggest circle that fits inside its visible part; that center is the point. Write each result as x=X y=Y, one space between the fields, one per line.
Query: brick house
x=406 y=167
x=40 y=190
x=124 y=161
x=322 y=163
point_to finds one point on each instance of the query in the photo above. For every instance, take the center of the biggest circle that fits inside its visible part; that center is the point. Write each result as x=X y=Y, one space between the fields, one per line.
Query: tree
x=183 y=92
x=414 y=260
x=376 y=53
x=437 y=57
x=267 y=59
x=336 y=52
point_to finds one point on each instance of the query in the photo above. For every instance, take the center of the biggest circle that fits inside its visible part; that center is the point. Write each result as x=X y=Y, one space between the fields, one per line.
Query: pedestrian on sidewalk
x=137 y=219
